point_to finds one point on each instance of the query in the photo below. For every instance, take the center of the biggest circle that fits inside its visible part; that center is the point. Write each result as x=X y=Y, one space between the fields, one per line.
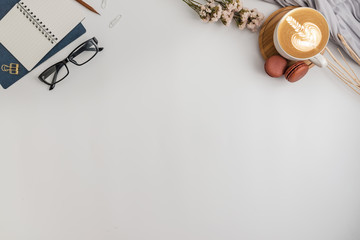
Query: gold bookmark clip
x=13 y=68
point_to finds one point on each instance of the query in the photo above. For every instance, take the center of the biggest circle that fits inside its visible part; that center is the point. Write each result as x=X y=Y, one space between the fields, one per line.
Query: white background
x=175 y=132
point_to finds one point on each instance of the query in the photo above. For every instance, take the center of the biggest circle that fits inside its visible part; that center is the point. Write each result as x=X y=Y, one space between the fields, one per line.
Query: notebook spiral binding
x=36 y=22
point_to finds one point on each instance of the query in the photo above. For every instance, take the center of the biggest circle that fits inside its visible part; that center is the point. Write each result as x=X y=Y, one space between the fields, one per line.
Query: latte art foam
x=306 y=37
x=303 y=33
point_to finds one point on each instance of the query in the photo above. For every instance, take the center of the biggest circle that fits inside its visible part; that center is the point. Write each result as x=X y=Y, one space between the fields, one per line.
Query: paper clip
x=115 y=21
x=103 y=4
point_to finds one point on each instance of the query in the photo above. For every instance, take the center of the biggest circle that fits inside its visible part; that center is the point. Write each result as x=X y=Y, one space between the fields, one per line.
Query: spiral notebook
x=33 y=27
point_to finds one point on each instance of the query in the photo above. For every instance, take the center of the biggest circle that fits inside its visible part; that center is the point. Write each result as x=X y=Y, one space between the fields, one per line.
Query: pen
x=87 y=6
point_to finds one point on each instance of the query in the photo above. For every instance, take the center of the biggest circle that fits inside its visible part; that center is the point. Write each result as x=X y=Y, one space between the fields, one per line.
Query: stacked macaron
x=276 y=66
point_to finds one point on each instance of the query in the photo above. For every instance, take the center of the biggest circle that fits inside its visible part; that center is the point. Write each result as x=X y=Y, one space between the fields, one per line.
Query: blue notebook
x=11 y=69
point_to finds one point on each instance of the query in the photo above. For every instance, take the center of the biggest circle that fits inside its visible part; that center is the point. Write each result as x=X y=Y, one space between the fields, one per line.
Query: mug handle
x=319 y=60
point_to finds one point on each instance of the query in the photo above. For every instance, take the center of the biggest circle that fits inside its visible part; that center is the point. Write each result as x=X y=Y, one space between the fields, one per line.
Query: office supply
x=103 y=4
x=33 y=27
x=115 y=21
x=87 y=6
x=17 y=71
x=11 y=69
x=81 y=55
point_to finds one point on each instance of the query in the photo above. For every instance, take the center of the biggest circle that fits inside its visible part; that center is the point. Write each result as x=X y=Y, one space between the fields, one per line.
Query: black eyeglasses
x=81 y=55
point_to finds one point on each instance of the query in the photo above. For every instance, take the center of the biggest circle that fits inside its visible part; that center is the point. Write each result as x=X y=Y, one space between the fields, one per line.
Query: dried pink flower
x=242 y=25
x=226 y=11
x=206 y=19
x=239 y=5
x=216 y=13
x=253 y=14
x=245 y=16
x=227 y=17
x=251 y=26
x=261 y=16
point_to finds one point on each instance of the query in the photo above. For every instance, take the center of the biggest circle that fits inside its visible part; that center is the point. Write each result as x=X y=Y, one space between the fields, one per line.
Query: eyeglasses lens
x=55 y=73
x=84 y=53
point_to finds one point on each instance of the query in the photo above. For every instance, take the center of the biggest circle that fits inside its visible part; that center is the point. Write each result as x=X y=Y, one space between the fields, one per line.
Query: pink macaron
x=275 y=66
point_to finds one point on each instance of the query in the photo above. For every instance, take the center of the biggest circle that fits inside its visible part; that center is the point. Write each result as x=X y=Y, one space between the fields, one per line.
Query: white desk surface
x=175 y=132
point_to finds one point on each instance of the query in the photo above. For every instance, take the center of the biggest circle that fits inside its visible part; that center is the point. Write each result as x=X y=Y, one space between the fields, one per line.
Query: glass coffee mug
x=302 y=34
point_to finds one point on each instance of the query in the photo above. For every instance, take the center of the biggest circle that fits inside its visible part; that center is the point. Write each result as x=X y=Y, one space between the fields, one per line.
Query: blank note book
x=33 y=27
